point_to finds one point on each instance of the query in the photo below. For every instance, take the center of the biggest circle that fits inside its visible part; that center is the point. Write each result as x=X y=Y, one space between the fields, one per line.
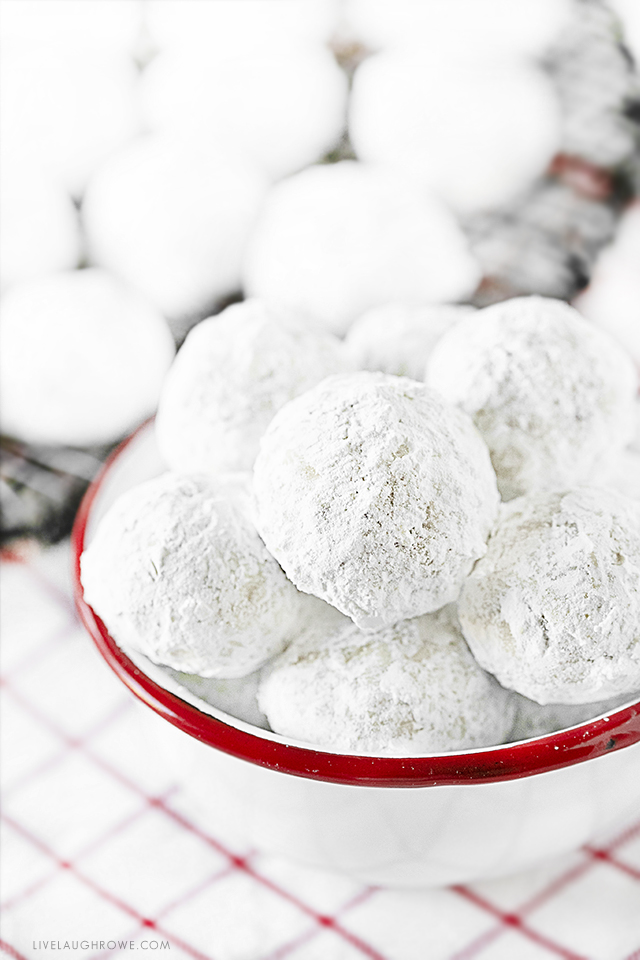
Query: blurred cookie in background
x=477 y=133
x=240 y=94
x=547 y=239
x=284 y=108
x=337 y=239
x=612 y=299
x=82 y=362
x=83 y=359
x=40 y=225
x=250 y=26
x=459 y=28
x=171 y=217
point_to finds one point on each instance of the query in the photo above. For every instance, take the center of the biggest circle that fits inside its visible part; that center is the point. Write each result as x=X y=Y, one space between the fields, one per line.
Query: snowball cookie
x=635 y=440
x=172 y=218
x=71 y=25
x=626 y=473
x=337 y=239
x=477 y=133
x=285 y=107
x=40 y=229
x=398 y=337
x=405 y=689
x=612 y=299
x=374 y=495
x=461 y=29
x=251 y=25
x=83 y=359
x=178 y=573
x=68 y=108
x=552 y=396
x=553 y=608
x=535 y=720
x=232 y=374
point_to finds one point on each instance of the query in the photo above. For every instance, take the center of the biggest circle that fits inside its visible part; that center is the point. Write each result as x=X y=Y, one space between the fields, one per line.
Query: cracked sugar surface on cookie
x=177 y=572
x=552 y=395
x=553 y=608
x=232 y=374
x=409 y=688
x=375 y=495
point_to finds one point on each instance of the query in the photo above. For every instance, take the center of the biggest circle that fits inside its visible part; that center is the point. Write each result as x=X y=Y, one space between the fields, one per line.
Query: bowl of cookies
x=406 y=559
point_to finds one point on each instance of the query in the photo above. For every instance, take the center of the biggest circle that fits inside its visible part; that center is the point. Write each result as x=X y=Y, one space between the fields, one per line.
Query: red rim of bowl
x=508 y=762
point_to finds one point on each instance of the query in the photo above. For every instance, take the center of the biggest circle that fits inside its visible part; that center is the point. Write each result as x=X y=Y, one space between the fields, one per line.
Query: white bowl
x=401 y=821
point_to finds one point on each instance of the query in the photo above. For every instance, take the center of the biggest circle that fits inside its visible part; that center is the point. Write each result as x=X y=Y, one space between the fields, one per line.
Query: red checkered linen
x=103 y=855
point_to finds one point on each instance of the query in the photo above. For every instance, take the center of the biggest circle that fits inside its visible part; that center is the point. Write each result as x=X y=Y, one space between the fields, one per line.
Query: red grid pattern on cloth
x=82 y=818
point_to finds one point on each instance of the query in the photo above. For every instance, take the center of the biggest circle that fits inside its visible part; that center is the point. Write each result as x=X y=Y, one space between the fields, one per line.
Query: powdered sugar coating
x=178 y=573
x=405 y=689
x=374 y=495
x=399 y=337
x=552 y=395
x=635 y=440
x=553 y=608
x=625 y=474
x=231 y=376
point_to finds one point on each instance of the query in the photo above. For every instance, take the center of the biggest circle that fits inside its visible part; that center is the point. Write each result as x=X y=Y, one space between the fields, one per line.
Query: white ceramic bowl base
x=405 y=837
x=414 y=837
